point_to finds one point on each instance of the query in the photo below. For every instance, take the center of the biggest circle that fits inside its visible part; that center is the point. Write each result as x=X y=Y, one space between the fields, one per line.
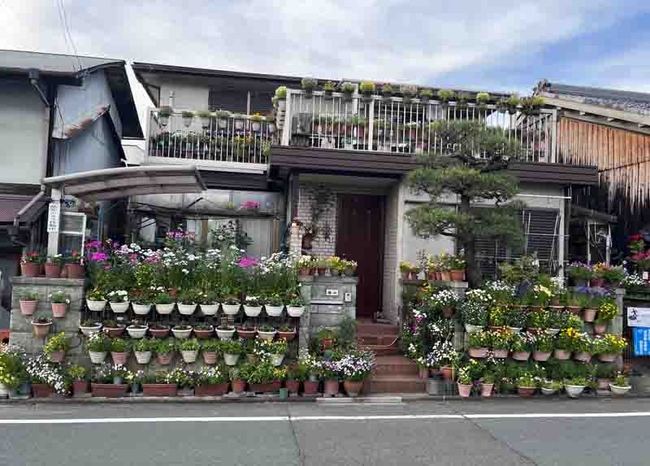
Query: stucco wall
x=24 y=122
x=188 y=94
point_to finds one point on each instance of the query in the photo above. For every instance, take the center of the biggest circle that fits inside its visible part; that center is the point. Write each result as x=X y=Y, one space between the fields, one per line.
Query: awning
x=113 y=183
x=11 y=204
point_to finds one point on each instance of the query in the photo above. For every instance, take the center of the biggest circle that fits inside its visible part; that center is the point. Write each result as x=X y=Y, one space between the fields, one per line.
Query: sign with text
x=641 y=339
x=638 y=317
x=54 y=217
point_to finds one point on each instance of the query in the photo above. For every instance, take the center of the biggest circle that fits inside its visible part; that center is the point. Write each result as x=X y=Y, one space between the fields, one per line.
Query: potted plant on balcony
x=78 y=375
x=478 y=344
x=445 y=96
x=239 y=121
x=98 y=345
x=513 y=102
x=160 y=383
x=354 y=368
x=158 y=330
x=31 y=264
x=532 y=105
x=256 y=122
x=118 y=300
x=143 y=350
x=308 y=85
x=222 y=118
x=190 y=350
x=231 y=305
x=482 y=99
x=54 y=265
x=620 y=386
x=231 y=350
x=187 y=118
x=425 y=95
x=212 y=381
x=367 y=89
x=28 y=303
x=164 y=303
x=205 y=117
x=164 y=349
x=252 y=306
x=209 y=350
x=56 y=347
x=463 y=100
x=41 y=327
x=281 y=98
x=164 y=113
x=347 y=88
x=408 y=93
x=137 y=330
x=74 y=265
x=387 y=91
x=606 y=313
x=120 y=349
x=329 y=87
x=113 y=329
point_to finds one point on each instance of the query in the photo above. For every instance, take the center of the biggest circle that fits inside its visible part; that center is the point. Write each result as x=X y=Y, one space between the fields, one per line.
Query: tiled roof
x=11 y=204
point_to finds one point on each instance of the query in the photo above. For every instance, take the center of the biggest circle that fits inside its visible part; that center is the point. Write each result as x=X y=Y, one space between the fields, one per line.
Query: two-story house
x=59 y=114
x=339 y=160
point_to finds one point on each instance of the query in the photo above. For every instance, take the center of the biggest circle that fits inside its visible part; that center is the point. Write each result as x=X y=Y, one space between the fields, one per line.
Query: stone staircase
x=393 y=373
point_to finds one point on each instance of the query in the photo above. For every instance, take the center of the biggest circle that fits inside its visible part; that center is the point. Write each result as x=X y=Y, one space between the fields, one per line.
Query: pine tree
x=469 y=162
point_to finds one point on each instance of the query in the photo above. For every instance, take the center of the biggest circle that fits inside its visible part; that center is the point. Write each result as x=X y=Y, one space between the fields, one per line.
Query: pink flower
x=98 y=256
x=246 y=262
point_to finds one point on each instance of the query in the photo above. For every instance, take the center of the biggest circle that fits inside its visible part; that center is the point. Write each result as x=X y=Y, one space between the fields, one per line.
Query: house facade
x=59 y=115
x=337 y=163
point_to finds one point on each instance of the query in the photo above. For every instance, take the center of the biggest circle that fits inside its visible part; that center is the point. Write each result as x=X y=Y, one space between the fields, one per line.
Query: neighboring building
x=59 y=114
x=341 y=159
x=609 y=129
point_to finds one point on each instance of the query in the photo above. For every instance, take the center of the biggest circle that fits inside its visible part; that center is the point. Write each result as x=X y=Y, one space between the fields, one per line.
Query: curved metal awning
x=113 y=183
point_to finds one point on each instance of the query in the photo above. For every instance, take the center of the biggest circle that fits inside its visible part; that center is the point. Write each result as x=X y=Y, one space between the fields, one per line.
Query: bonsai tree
x=458 y=169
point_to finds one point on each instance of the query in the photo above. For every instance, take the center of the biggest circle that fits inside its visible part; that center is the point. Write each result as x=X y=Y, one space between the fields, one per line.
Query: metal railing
x=397 y=125
x=219 y=137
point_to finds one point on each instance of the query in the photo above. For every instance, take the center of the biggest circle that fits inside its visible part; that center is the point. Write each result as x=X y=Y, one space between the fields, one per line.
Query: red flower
x=637 y=237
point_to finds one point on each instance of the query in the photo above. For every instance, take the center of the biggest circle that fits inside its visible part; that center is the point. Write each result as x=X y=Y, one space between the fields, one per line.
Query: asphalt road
x=504 y=432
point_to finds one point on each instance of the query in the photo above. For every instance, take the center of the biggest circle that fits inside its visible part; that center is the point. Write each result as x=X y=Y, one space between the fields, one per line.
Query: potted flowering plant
x=409 y=270
x=606 y=312
x=515 y=319
x=500 y=340
x=287 y=332
x=120 y=351
x=78 y=375
x=231 y=305
x=305 y=264
x=296 y=374
x=564 y=344
x=252 y=306
x=212 y=381
x=143 y=350
x=620 y=386
x=53 y=266
x=158 y=330
x=74 y=265
x=246 y=331
x=550 y=387
x=209 y=350
x=614 y=275
x=209 y=304
x=97 y=345
x=478 y=344
x=190 y=350
x=46 y=377
x=537 y=320
x=56 y=347
x=188 y=301
x=575 y=386
x=542 y=346
x=164 y=349
x=608 y=347
x=182 y=331
x=141 y=302
x=135 y=379
x=31 y=264
x=184 y=380
x=119 y=301
x=164 y=303
x=273 y=305
x=313 y=368
x=231 y=350
x=445 y=300
x=582 y=348
x=276 y=350
x=225 y=332
x=295 y=306
x=41 y=327
x=581 y=273
x=238 y=383
x=103 y=381
x=474 y=314
x=497 y=317
x=95 y=300
x=137 y=330
x=60 y=301
x=354 y=368
x=203 y=331
x=456 y=265
x=266 y=332
x=522 y=344
x=159 y=384
x=464 y=382
x=28 y=303
x=263 y=377
x=113 y=329
x=526 y=385
x=330 y=371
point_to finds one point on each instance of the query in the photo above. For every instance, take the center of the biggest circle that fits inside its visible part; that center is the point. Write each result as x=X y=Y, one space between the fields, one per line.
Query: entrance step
x=381 y=350
x=376 y=340
x=372 y=328
x=396 y=384
x=395 y=365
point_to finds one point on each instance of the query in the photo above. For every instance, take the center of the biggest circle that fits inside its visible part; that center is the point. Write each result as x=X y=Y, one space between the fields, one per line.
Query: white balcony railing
x=209 y=140
x=399 y=126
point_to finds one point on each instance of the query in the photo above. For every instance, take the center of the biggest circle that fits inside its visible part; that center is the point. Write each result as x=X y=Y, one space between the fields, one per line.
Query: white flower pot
x=616 y=390
x=277 y=359
x=252 y=311
x=469 y=328
x=141 y=309
x=143 y=357
x=186 y=309
x=225 y=335
x=136 y=332
x=515 y=329
x=96 y=306
x=574 y=391
x=273 y=311
x=295 y=311
x=189 y=356
x=231 y=359
x=548 y=391
x=88 y=331
x=553 y=331
x=209 y=309
x=164 y=309
x=230 y=309
x=97 y=357
x=182 y=334
x=266 y=335
x=119 y=308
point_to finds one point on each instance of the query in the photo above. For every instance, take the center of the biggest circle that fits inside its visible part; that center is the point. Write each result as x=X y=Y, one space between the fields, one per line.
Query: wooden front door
x=360 y=237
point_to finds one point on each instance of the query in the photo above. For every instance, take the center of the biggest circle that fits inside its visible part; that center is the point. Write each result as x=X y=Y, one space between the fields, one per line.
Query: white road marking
x=380 y=417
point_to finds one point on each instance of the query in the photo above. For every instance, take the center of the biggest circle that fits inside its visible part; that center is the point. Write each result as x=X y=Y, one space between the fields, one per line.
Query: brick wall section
x=321 y=247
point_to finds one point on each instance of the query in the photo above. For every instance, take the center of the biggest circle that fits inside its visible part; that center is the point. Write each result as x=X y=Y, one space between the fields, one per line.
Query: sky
x=494 y=45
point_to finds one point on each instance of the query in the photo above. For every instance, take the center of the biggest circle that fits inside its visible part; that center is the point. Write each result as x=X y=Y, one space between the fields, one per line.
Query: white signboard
x=54 y=217
x=638 y=317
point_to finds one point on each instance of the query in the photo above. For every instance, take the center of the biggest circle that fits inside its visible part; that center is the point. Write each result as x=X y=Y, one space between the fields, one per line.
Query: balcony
x=211 y=141
x=396 y=125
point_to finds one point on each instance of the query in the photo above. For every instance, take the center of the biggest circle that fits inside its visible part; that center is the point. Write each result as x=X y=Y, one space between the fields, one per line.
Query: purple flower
x=246 y=262
x=98 y=257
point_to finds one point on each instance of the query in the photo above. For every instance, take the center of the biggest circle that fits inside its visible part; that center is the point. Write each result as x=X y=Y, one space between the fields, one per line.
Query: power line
x=66 y=34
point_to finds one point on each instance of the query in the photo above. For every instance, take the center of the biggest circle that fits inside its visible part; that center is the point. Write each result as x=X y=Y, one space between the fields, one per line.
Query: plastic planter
x=141 y=309
x=164 y=309
x=143 y=357
x=618 y=390
x=209 y=309
x=219 y=389
x=108 y=390
x=252 y=311
x=137 y=332
x=189 y=356
x=225 y=335
x=97 y=357
x=96 y=306
x=186 y=309
x=574 y=391
x=231 y=359
x=230 y=309
x=295 y=311
x=182 y=333
x=27 y=308
x=159 y=389
x=266 y=335
x=120 y=308
x=273 y=311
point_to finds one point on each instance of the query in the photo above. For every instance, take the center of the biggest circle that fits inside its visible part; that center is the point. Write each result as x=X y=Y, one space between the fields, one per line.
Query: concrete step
x=377 y=340
x=382 y=350
x=396 y=384
x=395 y=365
x=370 y=328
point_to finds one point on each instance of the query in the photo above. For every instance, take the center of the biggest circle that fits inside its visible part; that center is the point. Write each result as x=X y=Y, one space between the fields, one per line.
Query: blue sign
x=641 y=337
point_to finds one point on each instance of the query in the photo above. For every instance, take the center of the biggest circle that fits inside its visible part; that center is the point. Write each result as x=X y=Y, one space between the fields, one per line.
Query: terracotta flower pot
x=269 y=387
x=353 y=387
x=478 y=353
x=500 y=353
x=603 y=384
x=79 y=387
x=27 y=308
x=293 y=386
x=57 y=357
x=597 y=282
x=30 y=269
x=526 y=392
x=445 y=276
x=238 y=386
x=287 y=335
x=114 y=332
x=52 y=270
x=75 y=271
x=246 y=333
x=164 y=359
x=41 y=330
x=119 y=357
x=209 y=357
x=331 y=387
x=589 y=315
x=599 y=329
x=562 y=355
x=108 y=390
x=464 y=390
x=582 y=357
x=311 y=387
x=159 y=332
x=159 y=389
x=203 y=334
x=447 y=373
x=143 y=357
x=541 y=356
x=609 y=357
x=42 y=390
x=457 y=275
x=520 y=355
x=219 y=389
x=575 y=310
x=486 y=390
x=59 y=310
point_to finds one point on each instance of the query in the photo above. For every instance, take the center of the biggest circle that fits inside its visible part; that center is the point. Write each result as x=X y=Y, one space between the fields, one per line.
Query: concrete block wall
x=21 y=328
x=322 y=247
